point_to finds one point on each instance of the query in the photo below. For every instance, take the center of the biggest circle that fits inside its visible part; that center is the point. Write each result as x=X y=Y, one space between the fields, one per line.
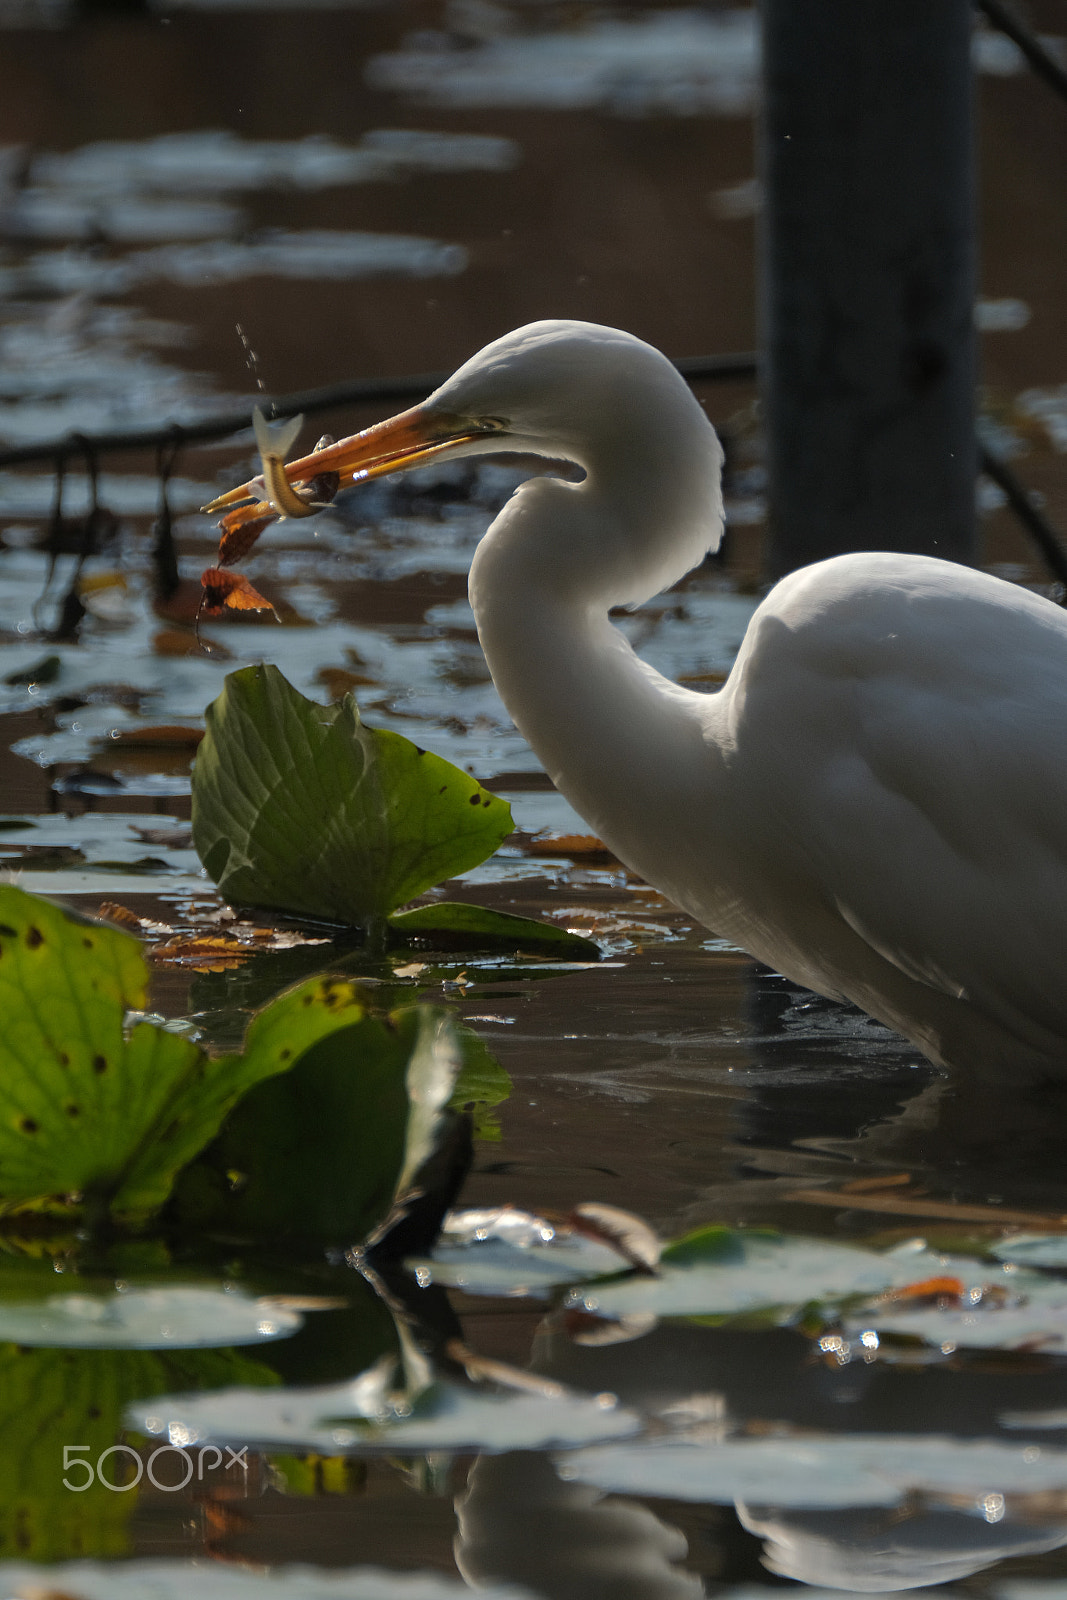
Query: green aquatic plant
x=333 y=1147
x=100 y=1112
x=301 y=808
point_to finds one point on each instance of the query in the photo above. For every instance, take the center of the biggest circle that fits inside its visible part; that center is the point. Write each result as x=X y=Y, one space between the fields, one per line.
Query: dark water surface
x=474 y=166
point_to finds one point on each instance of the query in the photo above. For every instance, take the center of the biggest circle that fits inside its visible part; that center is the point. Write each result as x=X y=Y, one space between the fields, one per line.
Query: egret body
x=874 y=803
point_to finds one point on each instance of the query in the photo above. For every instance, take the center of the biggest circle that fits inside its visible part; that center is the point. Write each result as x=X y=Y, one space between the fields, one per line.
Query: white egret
x=874 y=803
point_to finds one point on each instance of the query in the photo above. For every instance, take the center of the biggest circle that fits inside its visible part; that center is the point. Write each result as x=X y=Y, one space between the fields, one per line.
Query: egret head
x=561 y=389
x=565 y=389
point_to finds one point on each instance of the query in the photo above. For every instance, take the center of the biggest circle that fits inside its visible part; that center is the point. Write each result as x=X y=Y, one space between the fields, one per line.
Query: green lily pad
x=89 y=1111
x=169 y=1579
x=168 y=1317
x=324 y=1150
x=501 y=1250
x=728 y=1273
x=368 y=1414
x=298 y=806
x=818 y=1471
x=79 y=1101
x=452 y=921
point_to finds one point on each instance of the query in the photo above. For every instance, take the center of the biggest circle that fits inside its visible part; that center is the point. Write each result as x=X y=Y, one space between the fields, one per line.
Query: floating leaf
x=46 y=858
x=177 y=1580
x=46 y=670
x=206 y=952
x=86 y=1109
x=713 y=1243
x=504 y=1251
x=300 y=807
x=323 y=1150
x=722 y=1272
x=823 y=1471
x=183 y=1317
x=362 y=1415
x=997 y=1308
x=482 y=1083
x=949 y=1302
x=1034 y=1250
x=455 y=922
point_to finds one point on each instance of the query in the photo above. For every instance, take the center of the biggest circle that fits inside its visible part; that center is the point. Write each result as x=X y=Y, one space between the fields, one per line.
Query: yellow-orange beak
x=403 y=441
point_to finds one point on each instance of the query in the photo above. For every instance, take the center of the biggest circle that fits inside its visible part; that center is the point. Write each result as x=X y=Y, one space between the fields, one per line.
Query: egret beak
x=403 y=441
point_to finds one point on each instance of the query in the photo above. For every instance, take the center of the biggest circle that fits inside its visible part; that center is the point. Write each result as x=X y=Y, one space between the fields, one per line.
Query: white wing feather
x=911 y=719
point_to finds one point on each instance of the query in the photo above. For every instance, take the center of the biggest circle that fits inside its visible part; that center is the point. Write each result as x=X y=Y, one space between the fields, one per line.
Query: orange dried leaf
x=205 y=953
x=240 y=529
x=945 y=1288
x=112 y=911
x=585 y=845
x=230 y=591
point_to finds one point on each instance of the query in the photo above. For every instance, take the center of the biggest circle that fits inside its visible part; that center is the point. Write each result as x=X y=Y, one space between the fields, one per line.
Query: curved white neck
x=621 y=742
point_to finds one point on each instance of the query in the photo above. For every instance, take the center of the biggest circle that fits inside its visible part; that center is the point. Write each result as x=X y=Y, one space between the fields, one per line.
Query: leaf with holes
x=69 y=1101
x=89 y=1110
x=300 y=807
x=277 y=1039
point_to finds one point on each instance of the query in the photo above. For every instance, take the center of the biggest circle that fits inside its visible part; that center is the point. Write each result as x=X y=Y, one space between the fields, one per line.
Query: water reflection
x=769 y=1384
x=876 y=1551
x=519 y=1522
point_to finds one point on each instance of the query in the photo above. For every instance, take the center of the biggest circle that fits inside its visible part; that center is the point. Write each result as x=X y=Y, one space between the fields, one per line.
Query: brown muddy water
x=203 y=197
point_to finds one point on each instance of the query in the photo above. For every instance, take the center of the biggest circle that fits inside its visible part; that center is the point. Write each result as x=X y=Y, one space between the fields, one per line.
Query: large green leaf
x=86 y=1110
x=76 y=1097
x=276 y=1039
x=300 y=807
x=323 y=1150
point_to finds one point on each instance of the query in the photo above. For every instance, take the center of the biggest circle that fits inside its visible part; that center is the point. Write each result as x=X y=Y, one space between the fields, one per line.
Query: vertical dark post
x=868 y=263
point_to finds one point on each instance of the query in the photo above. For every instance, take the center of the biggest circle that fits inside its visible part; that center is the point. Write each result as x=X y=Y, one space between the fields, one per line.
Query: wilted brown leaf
x=204 y=953
x=239 y=530
x=584 y=846
x=230 y=591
